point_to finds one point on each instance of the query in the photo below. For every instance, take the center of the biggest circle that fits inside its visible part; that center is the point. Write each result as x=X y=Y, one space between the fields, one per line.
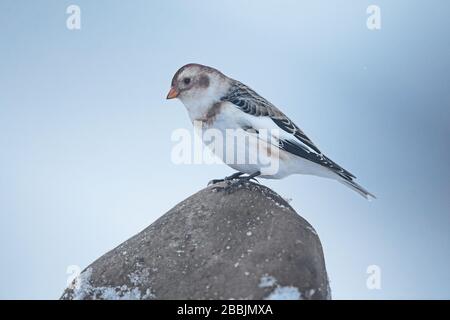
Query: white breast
x=231 y=138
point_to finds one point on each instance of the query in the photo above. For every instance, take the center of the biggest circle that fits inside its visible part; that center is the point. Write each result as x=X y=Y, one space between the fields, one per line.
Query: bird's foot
x=214 y=181
x=235 y=181
x=229 y=186
x=251 y=177
x=226 y=179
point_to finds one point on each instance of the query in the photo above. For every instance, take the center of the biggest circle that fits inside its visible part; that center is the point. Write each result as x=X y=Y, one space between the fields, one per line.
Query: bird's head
x=197 y=85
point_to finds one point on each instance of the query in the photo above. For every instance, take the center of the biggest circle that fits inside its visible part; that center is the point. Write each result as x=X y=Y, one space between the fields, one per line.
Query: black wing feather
x=290 y=127
x=318 y=158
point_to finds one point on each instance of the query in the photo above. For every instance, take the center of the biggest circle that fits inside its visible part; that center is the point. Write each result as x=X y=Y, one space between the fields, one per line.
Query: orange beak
x=173 y=93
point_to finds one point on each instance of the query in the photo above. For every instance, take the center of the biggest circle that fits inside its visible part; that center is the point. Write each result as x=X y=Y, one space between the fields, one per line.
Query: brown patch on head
x=203 y=81
x=202 y=68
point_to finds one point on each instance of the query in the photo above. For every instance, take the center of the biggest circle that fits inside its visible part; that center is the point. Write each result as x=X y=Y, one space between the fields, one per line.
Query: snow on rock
x=267 y=281
x=82 y=288
x=285 y=293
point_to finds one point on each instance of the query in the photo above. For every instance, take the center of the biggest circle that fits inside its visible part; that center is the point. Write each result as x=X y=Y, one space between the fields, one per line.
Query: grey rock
x=245 y=244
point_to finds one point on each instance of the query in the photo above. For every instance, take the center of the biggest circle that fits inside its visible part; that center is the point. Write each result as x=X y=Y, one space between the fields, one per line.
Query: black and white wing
x=295 y=141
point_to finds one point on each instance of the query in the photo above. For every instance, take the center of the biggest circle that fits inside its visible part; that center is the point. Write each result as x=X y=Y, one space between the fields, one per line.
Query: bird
x=216 y=101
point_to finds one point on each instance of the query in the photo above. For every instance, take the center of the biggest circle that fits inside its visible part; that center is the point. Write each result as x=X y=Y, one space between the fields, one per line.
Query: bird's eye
x=187 y=80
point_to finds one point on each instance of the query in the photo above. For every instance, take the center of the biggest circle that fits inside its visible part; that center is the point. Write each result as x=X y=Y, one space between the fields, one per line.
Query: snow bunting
x=219 y=102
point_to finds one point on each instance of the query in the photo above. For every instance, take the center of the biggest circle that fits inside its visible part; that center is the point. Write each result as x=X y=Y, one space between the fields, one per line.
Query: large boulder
x=243 y=243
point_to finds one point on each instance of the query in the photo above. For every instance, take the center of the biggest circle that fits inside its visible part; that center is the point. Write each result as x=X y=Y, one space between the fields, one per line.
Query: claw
x=232 y=186
x=234 y=176
x=234 y=180
x=214 y=181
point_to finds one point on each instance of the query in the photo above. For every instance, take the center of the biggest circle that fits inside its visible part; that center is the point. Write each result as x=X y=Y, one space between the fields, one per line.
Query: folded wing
x=292 y=139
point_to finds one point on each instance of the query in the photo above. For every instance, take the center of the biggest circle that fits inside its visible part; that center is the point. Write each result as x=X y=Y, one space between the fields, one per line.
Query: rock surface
x=245 y=244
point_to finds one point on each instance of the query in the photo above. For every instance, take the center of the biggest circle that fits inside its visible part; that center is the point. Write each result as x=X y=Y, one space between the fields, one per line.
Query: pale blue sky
x=85 y=129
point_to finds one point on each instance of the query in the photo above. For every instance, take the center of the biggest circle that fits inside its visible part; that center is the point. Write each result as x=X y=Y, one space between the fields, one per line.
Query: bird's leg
x=240 y=181
x=229 y=178
x=234 y=176
x=251 y=176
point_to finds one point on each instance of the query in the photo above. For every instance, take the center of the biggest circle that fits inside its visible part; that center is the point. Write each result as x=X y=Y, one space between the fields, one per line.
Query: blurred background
x=85 y=130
